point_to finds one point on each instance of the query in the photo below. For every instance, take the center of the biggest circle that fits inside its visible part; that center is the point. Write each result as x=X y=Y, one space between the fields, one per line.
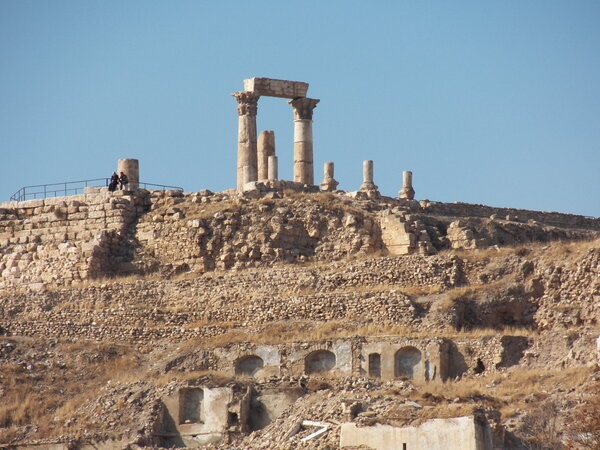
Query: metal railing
x=74 y=188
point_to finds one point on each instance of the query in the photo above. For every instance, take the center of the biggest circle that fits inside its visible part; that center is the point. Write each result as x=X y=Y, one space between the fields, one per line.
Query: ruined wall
x=459 y=209
x=253 y=298
x=460 y=433
x=66 y=240
x=207 y=231
x=431 y=359
x=61 y=240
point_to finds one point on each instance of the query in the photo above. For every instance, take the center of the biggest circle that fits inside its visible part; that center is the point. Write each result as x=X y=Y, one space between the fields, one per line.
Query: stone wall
x=62 y=240
x=219 y=232
x=252 y=298
x=65 y=240
x=459 y=209
x=459 y=433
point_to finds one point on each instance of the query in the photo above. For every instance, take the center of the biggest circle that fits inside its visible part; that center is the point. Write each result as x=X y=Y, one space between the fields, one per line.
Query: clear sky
x=495 y=103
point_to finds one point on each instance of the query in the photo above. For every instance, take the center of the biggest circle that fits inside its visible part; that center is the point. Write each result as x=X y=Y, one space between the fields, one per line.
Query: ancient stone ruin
x=253 y=160
x=281 y=313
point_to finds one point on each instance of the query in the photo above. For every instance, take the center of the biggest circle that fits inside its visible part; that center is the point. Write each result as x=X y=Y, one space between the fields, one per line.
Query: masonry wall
x=68 y=240
x=204 y=305
x=63 y=240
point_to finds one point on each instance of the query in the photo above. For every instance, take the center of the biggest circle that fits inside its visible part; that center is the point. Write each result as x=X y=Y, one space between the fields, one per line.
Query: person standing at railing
x=114 y=181
x=124 y=181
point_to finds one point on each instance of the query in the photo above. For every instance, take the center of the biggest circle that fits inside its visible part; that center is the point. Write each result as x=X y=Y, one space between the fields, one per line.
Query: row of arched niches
x=426 y=360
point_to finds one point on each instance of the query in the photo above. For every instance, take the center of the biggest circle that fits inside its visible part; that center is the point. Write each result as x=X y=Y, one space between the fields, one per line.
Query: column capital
x=247 y=102
x=303 y=107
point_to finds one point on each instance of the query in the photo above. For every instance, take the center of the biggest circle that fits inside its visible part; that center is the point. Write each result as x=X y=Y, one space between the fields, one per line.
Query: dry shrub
x=584 y=426
x=466 y=388
x=9 y=434
x=540 y=427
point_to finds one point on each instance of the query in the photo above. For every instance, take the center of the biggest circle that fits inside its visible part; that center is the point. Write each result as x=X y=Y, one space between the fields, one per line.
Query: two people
x=118 y=180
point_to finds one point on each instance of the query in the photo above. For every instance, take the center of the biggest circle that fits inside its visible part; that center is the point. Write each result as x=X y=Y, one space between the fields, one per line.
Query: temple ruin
x=252 y=159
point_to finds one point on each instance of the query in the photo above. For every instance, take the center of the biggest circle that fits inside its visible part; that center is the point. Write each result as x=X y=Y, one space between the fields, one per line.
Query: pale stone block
x=32 y=203
x=276 y=88
x=303 y=131
x=97 y=215
x=54 y=201
x=460 y=433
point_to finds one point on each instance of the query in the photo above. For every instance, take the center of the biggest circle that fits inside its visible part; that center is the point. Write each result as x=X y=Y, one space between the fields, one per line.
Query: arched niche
x=406 y=362
x=319 y=361
x=190 y=405
x=375 y=365
x=248 y=365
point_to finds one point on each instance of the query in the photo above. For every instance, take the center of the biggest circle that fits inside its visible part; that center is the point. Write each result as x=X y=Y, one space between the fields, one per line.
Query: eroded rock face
x=221 y=233
x=60 y=241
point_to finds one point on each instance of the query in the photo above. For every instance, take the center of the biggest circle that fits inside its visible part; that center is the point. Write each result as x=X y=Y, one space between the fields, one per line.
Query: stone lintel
x=270 y=87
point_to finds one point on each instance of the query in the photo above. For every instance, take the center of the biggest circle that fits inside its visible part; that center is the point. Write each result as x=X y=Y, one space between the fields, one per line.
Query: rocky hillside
x=180 y=289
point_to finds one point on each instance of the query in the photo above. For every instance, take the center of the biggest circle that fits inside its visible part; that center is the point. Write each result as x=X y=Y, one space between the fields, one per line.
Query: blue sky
x=495 y=103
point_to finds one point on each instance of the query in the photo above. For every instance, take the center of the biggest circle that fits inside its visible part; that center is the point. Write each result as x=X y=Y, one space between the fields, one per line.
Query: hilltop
x=124 y=315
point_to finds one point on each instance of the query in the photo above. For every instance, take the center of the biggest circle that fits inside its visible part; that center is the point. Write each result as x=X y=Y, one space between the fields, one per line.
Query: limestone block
x=397 y=236
x=276 y=88
x=97 y=215
x=460 y=433
x=32 y=203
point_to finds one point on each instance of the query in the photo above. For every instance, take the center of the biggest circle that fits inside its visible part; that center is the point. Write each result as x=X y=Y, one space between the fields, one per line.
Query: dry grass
x=51 y=396
x=419 y=291
x=309 y=331
x=563 y=252
x=554 y=251
x=511 y=392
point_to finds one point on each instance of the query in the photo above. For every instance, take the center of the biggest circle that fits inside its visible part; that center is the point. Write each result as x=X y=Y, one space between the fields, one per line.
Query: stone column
x=407 y=190
x=266 y=148
x=303 y=139
x=131 y=168
x=368 y=184
x=248 y=174
x=272 y=172
x=329 y=183
x=247 y=106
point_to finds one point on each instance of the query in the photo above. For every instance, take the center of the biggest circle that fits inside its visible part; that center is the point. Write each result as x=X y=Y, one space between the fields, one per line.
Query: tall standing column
x=247 y=106
x=303 y=139
x=266 y=148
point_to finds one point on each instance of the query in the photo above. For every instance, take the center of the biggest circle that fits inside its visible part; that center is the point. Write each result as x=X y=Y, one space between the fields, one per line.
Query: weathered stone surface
x=276 y=88
x=459 y=433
